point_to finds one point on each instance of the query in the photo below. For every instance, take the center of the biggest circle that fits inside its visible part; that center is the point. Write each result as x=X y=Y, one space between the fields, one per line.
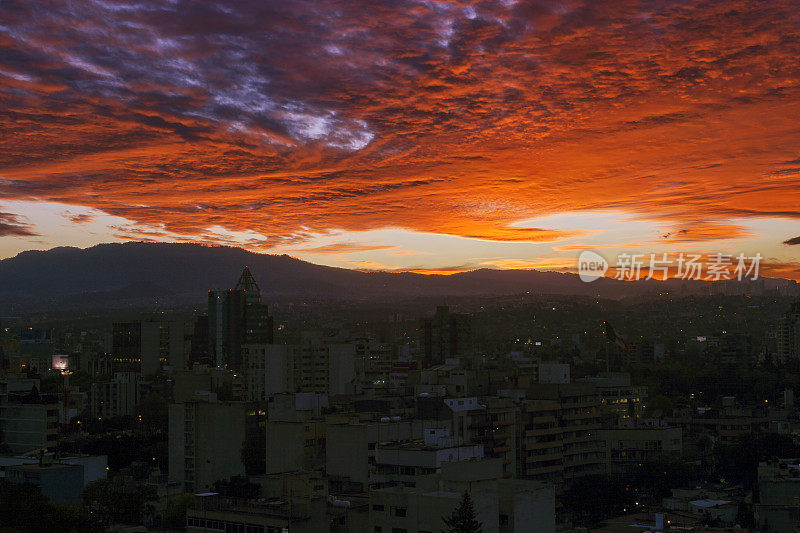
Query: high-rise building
x=446 y=335
x=491 y=422
x=28 y=420
x=789 y=334
x=115 y=397
x=148 y=344
x=236 y=317
x=627 y=448
x=126 y=346
x=319 y=364
x=199 y=345
x=560 y=423
x=541 y=442
x=205 y=441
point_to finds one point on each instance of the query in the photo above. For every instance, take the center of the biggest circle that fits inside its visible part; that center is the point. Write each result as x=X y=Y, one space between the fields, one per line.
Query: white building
x=501 y=505
x=312 y=366
x=205 y=442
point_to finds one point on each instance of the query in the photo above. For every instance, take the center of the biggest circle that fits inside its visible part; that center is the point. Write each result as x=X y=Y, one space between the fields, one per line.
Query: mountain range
x=166 y=274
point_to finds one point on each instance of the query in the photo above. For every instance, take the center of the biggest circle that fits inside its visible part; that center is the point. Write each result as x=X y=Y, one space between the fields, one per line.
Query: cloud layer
x=292 y=119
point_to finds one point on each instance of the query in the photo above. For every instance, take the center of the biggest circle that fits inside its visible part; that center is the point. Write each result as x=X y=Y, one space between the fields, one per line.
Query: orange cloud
x=541 y=264
x=293 y=119
x=441 y=271
x=78 y=218
x=704 y=231
x=369 y=265
x=346 y=247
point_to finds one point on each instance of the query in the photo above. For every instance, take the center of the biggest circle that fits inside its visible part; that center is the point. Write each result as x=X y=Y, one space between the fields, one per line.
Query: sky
x=431 y=136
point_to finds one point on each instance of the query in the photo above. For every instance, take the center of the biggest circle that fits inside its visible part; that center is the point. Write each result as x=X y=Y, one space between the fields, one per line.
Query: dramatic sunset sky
x=408 y=135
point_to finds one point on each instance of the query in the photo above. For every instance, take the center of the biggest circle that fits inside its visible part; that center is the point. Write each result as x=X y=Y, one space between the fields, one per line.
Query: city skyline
x=423 y=136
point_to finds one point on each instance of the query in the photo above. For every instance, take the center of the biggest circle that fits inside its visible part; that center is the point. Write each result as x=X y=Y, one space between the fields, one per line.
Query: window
x=400 y=511
x=377 y=529
x=503 y=519
x=377 y=507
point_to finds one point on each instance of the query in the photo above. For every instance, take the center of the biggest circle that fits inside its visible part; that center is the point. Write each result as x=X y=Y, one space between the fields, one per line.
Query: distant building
x=789 y=335
x=28 y=421
x=94 y=466
x=626 y=449
x=451 y=376
x=205 y=441
x=59 y=482
x=316 y=365
x=267 y=370
x=553 y=373
x=541 y=443
x=117 y=396
x=492 y=424
x=126 y=347
x=323 y=367
x=200 y=342
x=446 y=335
x=202 y=378
x=779 y=495
x=295 y=445
x=618 y=397
x=401 y=463
x=351 y=445
x=36 y=342
x=558 y=432
x=237 y=317
x=501 y=505
x=726 y=424
x=147 y=345
x=295 y=433
x=298 y=509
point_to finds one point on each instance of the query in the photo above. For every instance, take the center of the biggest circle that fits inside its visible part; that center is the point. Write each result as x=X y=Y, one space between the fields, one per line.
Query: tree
x=23 y=509
x=175 y=513
x=596 y=498
x=237 y=487
x=116 y=501
x=153 y=413
x=462 y=519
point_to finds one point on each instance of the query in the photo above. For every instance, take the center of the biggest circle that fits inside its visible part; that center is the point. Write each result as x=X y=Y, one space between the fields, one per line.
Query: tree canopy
x=462 y=519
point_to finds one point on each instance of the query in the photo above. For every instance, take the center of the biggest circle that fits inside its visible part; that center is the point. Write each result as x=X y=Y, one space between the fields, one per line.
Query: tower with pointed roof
x=236 y=317
x=248 y=285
